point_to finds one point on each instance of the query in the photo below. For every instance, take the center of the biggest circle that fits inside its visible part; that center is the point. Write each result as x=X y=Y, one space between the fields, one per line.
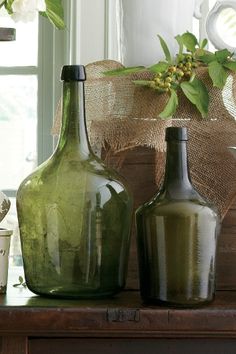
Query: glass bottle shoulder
x=164 y=205
x=59 y=173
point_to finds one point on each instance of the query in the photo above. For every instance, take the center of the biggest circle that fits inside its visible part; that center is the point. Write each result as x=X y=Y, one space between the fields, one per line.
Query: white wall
x=93 y=30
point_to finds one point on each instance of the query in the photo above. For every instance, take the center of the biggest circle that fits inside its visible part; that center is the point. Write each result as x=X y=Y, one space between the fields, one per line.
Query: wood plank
x=13 y=345
x=138 y=346
x=122 y=317
x=226 y=260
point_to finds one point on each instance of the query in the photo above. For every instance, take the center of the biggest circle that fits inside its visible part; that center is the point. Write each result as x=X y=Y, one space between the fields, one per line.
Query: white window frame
x=51 y=56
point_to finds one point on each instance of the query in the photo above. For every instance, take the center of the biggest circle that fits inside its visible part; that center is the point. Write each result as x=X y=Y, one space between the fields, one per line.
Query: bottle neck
x=73 y=133
x=177 y=180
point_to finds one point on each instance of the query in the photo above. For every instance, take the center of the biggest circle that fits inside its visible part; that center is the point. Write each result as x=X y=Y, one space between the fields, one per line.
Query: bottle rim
x=73 y=73
x=176 y=133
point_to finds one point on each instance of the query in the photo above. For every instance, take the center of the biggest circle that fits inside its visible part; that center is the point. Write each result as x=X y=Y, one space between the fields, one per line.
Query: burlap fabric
x=125 y=116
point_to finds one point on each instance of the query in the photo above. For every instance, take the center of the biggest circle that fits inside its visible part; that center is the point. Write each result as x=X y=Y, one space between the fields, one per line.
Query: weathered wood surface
x=127 y=346
x=13 y=345
x=25 y=314
x=138 y=167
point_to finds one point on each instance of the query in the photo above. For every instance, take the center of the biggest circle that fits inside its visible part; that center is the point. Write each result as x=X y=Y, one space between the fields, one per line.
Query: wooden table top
x=22 y=312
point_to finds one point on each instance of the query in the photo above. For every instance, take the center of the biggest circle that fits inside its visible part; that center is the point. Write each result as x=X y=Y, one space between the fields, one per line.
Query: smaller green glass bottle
x=74 y=213
x=177 y=236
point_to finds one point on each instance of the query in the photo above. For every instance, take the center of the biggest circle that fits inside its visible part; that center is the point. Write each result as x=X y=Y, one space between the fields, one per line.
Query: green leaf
x=8 y=6
x=218 y=74
x=222 y=55
x=207 y=58
x=203 y=43
x=159 y=67
x=21 y=280
x=43 y=14
x=165 y=49
x=124 y=71
x=189 y=41
x=171 y=106
x=180 y=43
x=55 y=13
x=197 y=93
x=231 y=65
x=142 y=82
x=2 y=4
x=192 y=76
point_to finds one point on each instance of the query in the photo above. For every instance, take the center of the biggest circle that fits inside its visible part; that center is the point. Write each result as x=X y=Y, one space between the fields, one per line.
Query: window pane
x=24 y=50
x=18 y=124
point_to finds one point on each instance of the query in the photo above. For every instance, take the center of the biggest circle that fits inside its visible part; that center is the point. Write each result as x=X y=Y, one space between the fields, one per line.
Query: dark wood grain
x=226 y=262
x=140 y=346
x=13 y=345
x=122 y=317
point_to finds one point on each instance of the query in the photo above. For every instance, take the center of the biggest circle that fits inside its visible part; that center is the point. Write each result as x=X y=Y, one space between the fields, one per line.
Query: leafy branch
x=54 y=11
x=179 y=74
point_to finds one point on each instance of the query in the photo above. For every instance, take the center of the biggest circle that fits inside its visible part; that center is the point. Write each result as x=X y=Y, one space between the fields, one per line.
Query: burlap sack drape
x=125 y=116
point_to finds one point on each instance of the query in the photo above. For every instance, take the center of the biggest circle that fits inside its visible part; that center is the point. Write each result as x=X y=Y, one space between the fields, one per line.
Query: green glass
x=177 y=236
x=74 y=213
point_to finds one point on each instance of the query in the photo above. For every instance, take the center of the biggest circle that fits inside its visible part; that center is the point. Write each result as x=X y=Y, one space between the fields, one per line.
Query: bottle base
x=60 y=293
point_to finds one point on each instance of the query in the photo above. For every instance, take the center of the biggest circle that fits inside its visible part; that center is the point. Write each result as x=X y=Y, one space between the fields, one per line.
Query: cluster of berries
x=174 y=74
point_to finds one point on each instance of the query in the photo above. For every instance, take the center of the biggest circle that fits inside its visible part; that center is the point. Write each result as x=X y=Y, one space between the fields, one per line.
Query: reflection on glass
x=76 y=246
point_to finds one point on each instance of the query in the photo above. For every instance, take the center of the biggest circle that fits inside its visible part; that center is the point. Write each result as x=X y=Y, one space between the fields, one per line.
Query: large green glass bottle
x=177 y=236
x=74 y=213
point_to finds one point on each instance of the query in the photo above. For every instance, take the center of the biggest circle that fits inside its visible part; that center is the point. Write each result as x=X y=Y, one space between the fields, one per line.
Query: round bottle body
x=177 y=242
x=74 y=218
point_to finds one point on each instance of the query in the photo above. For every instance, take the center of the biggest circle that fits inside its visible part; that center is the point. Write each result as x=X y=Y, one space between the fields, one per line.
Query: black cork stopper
x=73 y=73
x=176 y=133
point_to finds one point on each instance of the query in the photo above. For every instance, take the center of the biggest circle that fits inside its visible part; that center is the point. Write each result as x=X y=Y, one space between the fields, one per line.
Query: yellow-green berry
x=180 y=73
x=152 y=84
x=172 y=69
x=169 y=79
x=188 y=65
x=188 y=73
x=167 y=85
